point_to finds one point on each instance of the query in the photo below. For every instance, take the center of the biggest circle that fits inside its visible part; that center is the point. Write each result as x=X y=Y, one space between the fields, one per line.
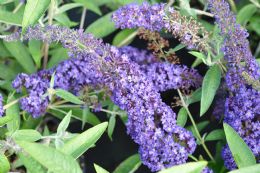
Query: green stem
x=195 y=127
x=46 y=45
x=233 y=5
x=83 y=16
x=79 y=106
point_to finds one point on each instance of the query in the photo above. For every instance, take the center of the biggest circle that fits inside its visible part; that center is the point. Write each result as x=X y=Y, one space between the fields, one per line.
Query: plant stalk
x=195 y=127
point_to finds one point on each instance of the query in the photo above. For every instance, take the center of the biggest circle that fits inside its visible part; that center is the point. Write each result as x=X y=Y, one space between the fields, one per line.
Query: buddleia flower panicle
x=1 y=106
x=242 y=105
x=151 y=123
x=164 y=75
x=157 y=18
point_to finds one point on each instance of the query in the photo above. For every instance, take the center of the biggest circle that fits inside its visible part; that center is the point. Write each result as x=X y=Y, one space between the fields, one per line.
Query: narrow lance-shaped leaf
x=215 y=135
x=243 y=156
x=130 y=165
x=248 y=169
x=4 y=164
x=99 y=169
x=64 y=123
x=68 y=96
x=210 y=85
x=36 y=52
x=20 y=52
x=52 y=159
x=192 y=167
x=124 y=37
x=14 y=113
x=10 y=18
x=29 y=135
x=246 y=13
x=81 y=143
x=102 y=27
x=34 y=9
x=90 y=5
x=111 y=126
x=31 y=165
x=182 y=117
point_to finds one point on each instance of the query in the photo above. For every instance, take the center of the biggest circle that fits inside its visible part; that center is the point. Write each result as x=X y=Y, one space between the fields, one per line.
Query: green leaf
x=77 y=114
x=14 y=113
x=210 y=85
x=4 y=52
x=124 y=2
x=4 y=120
x=176 y=48
x=192 y=167
x=31 y=165
x=64 y=20
x=100 y=169
x=111 y=126
x=196 y=62
x=255 y=24
x=195 y=97
x=200 y=127
x=90 y=6
x=52 y=159
x=35 y=50
x=29 y=135
x=182 y=117
x=57 y=55
x=248 y=169
x=10 y=18
x=199 y=55
x=243 y=156
x=4 y=164
x=7 y=73
x=102 y=27
x=124 y=37
x=67 y=7
x=68 y=96
x=34 y=9
x=186 y=9
x=244 y=15
x=81 y=143
x=215 y=135
x=130 y=165
x=21 y=54
x=64 y=123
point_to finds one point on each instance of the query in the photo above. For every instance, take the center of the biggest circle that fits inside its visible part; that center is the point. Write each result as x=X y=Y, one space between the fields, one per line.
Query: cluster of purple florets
x=151 y=123
x=158 y=17
x=242 y=106
x=1 y=106
x=145 y=15
x=135 y=78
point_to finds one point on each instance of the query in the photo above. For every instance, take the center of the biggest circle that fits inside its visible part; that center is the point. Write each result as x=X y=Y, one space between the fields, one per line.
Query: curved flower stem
x=233 y=5
x=46 y=45
x=83 y=17
x=195 y=127
x=13 y=102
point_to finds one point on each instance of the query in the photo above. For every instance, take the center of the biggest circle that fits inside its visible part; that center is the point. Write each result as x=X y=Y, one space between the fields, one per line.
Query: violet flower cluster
x=70 y=75
x=156 y=18
x=151 y=123
x=164 y=75
x=242 y=106
x=1 y=106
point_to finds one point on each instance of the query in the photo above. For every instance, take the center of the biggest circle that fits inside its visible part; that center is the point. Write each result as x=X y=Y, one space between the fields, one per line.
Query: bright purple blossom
x=164 y=75
x=242 y=110
x=135 y=15
x=1 y=106
x=151 y=123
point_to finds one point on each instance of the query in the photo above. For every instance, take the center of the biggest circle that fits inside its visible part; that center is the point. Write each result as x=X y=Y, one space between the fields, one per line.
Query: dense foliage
x=56 y=68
